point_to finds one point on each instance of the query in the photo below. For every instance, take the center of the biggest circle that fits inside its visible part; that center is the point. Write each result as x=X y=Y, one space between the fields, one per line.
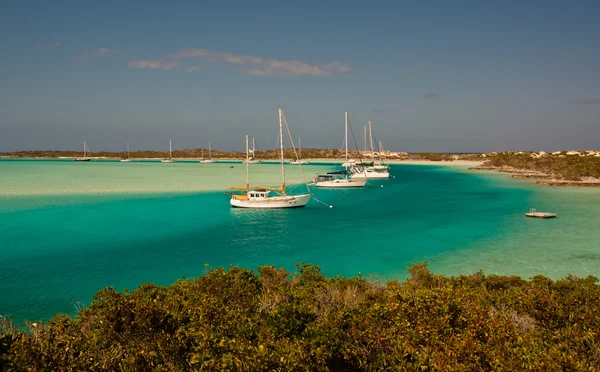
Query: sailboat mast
x=247 y=167
x=371 y=138
x=84 y=146
x=299 y=148
x=170 y=149
x=281 y=148
x=127 y=150
x=346 y=135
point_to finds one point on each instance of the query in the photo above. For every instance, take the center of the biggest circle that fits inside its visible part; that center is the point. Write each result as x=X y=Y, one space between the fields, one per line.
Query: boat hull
x=370 y=174
x=252 y=161
x=82 y=159
x=207 y=161
x=167 y=161
x=275 y=202
x=341 y=184
x=296 y=162
x=125 y=160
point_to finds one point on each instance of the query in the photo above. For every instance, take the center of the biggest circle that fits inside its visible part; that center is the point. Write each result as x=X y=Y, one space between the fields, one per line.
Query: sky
x=446 y=76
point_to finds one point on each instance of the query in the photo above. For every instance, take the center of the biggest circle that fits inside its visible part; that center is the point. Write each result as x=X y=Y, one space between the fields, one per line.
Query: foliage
x=238 y=320
x=563 y=166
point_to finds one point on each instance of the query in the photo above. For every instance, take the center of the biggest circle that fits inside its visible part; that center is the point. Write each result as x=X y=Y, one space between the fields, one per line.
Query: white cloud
x=249 y=64
x=99 y=52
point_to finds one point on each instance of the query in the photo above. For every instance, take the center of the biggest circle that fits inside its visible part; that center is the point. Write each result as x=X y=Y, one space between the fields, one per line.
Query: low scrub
x=237 y=319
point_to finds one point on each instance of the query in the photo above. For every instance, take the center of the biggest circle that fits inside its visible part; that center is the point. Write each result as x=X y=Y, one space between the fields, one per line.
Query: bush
x=273 y=320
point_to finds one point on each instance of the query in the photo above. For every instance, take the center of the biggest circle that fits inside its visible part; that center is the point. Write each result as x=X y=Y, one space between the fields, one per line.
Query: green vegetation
x=561 y=166
x=238 y=320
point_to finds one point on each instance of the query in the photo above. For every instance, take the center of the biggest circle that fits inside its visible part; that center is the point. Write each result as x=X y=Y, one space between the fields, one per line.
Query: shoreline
x=539 y=178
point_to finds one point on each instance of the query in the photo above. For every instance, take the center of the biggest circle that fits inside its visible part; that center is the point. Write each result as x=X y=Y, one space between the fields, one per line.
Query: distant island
x=561 y=168
x=237 y=319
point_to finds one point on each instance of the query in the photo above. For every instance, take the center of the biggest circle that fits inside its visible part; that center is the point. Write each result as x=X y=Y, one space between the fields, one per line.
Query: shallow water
x=68 y=229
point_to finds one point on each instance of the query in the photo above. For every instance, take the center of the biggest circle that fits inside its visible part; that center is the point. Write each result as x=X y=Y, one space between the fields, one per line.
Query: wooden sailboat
x=86 y=153
x=259 y=197
x=299 y=160
x=339 y=179
x=210 y=159
x=128 y=159
x=170 y=158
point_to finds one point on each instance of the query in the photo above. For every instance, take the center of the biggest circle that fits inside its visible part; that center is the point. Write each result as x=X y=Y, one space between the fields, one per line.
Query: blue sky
x=431 y=75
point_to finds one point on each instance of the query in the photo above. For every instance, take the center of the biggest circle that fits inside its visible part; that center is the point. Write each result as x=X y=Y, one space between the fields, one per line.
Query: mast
x=346 y=136
x=247 y=167
x=371 y=139
x=281 y=148
x=209 y=151
x=84 y=146
x=365 y=138
x=127 y=150
x=170 y=150
x=299 y=148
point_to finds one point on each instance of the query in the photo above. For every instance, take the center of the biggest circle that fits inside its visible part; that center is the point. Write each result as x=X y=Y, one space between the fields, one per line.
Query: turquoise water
x=69 y=229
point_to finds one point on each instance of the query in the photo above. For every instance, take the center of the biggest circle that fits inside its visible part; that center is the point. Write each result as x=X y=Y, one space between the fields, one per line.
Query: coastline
x=539 y=178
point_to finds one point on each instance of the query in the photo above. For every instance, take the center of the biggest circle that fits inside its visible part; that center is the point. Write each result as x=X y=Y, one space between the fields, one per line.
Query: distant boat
x=127 y=159
x=210 y=159
x=299 y=160
x=170 y=158
x=251 y=159
x=533 y=213
x=340 y=179
x=86 y=153
x=372 y=170
x=260 y=197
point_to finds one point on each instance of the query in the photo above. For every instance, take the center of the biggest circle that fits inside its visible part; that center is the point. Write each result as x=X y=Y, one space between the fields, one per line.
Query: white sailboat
x=86 y=153
x=251 y=159
x=128 y=159
x=299 y=160
x=170 y=158
x=210 y=159
x=372 y=170
x=261 y=197
x=340 y=179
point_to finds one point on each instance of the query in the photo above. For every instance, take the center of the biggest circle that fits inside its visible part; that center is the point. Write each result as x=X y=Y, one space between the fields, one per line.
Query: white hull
x=167 y=161
x=82 y=159
x=299 y=161
x=288 y=201
x=341 y=183
x=125 y=160
x=370 y=174
x=207 y=161
x=252 y=161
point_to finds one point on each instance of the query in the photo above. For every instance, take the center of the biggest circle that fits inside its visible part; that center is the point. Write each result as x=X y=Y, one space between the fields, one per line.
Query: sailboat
x=299 y=160
x=259 y=197
x=86 y=153
x=339 y=179
x=252 y=160
x=210 y=159
x=170 y=158
x=371 y=170
x=128 y=158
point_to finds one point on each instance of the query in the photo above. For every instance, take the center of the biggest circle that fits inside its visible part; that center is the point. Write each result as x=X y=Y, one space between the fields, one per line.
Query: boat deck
x=535 y=214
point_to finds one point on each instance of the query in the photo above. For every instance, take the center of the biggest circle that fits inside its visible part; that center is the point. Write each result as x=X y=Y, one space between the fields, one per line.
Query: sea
x=69 y=229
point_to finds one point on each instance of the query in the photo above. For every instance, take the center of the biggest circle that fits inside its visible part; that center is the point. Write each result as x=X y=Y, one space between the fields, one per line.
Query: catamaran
x=371 y=170
x=299 y=160
x=128 y=158
x=259 y=197
x=340 y=179
x=86 y=153
x=170 y=158
x=252 y=160
x=210 y=159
